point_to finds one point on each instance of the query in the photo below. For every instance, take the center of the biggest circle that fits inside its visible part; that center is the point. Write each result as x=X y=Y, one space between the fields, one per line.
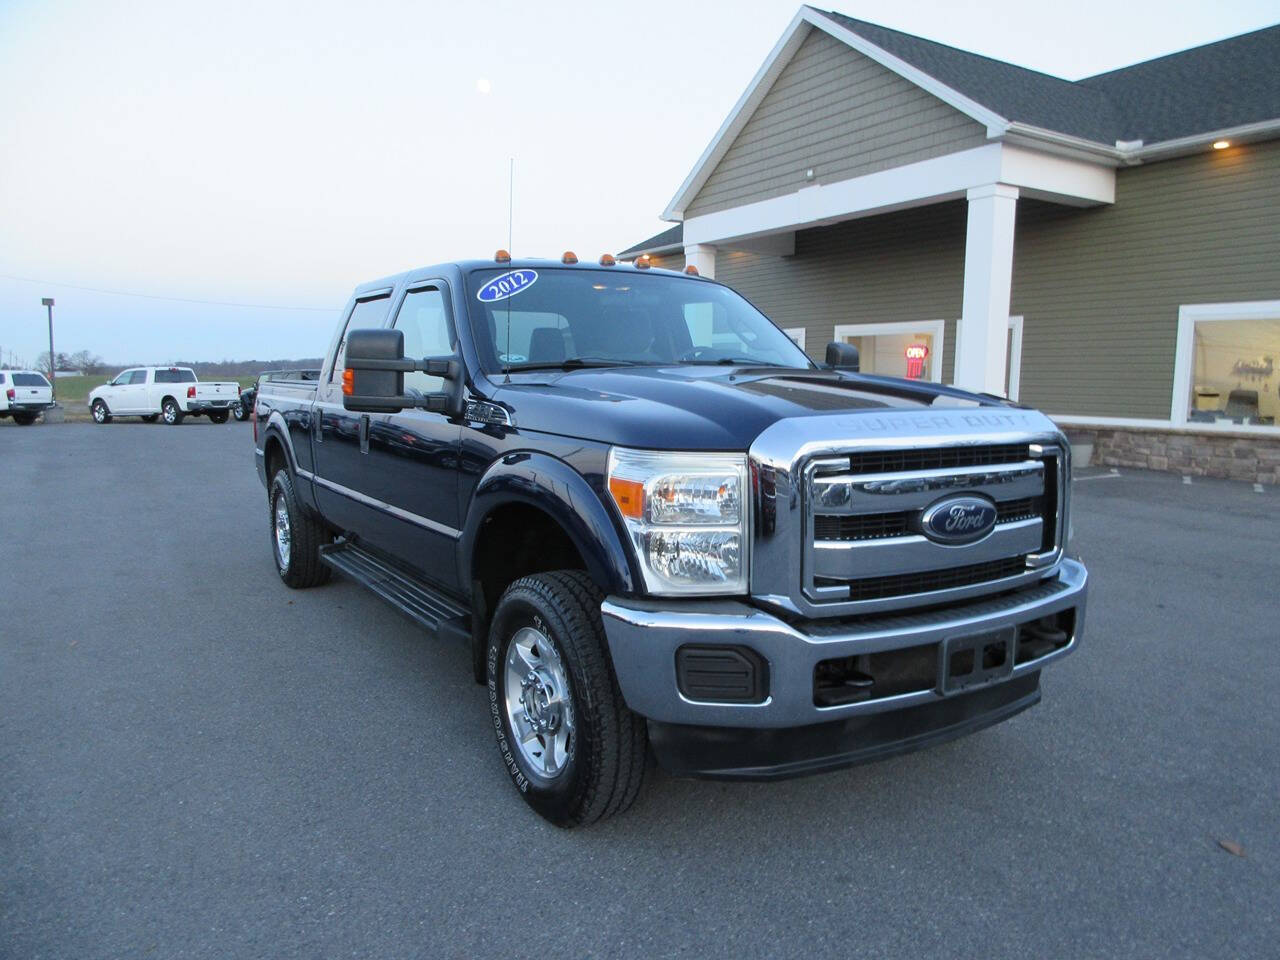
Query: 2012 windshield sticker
x=506 y=285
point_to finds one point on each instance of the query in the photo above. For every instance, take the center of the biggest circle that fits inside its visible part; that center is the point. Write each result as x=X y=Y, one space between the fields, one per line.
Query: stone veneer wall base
x=1247 y=457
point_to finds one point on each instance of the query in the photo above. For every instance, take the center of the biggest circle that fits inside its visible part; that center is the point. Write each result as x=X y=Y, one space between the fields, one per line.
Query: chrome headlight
x=687 y=516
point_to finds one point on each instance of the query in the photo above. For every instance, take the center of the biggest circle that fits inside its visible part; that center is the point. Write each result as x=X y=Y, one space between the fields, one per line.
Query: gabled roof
x=672 y=239
x=1232 y=86
x=1214 y=87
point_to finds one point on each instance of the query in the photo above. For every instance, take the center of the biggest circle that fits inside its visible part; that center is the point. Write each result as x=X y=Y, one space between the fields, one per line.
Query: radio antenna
x=511 y=190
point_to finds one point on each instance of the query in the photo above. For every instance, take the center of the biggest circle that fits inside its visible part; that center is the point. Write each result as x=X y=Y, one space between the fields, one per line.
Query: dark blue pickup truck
x=658 y=526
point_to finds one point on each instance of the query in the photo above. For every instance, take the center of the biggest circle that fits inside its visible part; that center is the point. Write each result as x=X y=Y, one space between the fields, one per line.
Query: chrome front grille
x=837 y=503
x=863 y=537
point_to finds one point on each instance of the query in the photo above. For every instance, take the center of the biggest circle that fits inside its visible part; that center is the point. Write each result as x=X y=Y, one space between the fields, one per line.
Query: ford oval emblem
x=956 y=520
x=507 y=285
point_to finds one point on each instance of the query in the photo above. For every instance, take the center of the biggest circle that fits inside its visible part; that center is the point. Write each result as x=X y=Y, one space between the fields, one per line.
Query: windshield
x=544 y=317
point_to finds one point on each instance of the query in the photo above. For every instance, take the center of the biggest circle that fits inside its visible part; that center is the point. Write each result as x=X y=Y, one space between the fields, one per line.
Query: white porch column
x=702 y=256
x=988 y=276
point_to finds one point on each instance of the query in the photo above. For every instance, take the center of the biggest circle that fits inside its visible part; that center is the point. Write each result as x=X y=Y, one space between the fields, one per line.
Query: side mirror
x=373 y=381
x=842 y=356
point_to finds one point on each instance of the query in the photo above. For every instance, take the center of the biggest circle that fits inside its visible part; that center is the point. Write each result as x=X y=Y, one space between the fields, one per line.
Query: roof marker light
x=1221 y=144
x=691 y=270
x=569 y=257
x=606 y=260
x=642 y=262
x=502 y=256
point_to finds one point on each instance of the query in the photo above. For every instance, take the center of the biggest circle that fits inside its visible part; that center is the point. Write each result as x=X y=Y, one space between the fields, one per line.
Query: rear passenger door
x=413 y=455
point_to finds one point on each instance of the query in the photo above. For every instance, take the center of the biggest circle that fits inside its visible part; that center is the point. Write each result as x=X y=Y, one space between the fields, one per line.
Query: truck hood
x=706 y=407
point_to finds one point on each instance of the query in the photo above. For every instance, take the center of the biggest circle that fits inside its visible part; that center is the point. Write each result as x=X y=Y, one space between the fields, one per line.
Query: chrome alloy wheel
x=284 y=533
x=170 y=411
x=99 y=412
x=538 y=706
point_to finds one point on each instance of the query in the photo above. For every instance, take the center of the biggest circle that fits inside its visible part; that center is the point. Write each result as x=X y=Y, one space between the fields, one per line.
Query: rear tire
x=296 y=537
x=579 y=754
x=219 y=416
x=171 y=412
x=100 y=412
x=24 y=419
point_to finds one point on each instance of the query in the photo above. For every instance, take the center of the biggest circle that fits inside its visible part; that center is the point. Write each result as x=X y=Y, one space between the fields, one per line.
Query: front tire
x=569 y=743
x=171 y=412
x=296 y=537
x=239 y=412
x=100 y=412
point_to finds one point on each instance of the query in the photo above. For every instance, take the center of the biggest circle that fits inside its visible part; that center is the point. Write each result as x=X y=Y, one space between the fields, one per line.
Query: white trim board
x=948 y=177
x=1189 y=314
x=797 y=335
x=936 y=328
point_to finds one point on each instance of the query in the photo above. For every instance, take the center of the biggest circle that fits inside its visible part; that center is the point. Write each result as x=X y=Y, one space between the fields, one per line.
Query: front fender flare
x=558 y=490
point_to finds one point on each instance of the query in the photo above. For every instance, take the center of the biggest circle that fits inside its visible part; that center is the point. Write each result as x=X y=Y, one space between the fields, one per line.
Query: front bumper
x=644 y=637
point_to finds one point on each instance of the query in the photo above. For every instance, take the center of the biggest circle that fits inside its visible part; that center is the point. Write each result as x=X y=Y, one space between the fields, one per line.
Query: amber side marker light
x=1221 y=144
x=691 y=270
x=348 y=381
x=502 y=256
x=569 y=257
x=628 y=495
x=606 y=260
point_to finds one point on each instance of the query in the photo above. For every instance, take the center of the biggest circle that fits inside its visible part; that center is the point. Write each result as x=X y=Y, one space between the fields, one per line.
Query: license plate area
x=975 y=660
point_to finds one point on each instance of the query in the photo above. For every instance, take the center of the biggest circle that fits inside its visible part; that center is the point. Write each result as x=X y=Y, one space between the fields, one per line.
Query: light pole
x=47 y=303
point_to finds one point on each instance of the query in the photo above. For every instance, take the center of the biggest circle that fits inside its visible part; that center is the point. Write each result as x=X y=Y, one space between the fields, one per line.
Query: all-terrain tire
x=605 y=766
x=299 y=566
x=101 y=414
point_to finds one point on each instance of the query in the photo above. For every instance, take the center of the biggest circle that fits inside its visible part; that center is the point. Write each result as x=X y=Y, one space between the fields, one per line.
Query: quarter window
x=427 y=333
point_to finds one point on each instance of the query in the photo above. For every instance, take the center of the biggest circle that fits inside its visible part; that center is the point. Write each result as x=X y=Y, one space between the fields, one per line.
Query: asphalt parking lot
x=196 y=761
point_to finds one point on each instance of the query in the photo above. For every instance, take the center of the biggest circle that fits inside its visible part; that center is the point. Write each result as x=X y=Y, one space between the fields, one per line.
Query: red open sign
x=916 y=353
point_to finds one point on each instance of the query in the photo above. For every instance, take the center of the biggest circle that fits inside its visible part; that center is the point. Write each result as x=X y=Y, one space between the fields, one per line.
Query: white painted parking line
x=1187 y=481
x=1113 y=475
x=1257 y=488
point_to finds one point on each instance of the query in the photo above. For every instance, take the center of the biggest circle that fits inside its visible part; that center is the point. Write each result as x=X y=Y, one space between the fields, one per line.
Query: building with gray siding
x=1107 y=249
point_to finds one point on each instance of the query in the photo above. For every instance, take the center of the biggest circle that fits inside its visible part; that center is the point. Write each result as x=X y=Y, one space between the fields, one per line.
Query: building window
x=912 y=350
x=796 y=334
x=1227 y=371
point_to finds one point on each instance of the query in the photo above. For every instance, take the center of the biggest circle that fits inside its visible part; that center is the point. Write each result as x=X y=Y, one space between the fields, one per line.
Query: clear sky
x=276 y=154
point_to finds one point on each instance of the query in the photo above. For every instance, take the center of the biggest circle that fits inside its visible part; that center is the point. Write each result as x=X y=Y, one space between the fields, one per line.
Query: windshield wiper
x=573 y=363
x=729 y=362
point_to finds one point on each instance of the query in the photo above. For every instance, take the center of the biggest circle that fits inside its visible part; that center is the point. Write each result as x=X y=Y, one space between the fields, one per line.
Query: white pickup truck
x=23 y=395
x=169 y=392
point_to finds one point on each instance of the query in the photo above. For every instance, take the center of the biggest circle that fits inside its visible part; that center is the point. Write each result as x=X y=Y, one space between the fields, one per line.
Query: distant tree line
x=90 y=364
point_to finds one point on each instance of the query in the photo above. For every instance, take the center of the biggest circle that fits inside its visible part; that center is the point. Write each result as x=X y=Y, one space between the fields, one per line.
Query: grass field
x=72 y=392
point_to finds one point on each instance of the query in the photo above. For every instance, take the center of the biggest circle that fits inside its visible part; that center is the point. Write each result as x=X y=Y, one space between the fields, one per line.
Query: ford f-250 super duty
x=658 y=525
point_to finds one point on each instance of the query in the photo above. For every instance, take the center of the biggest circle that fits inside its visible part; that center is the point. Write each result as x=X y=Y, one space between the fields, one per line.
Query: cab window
x=427 y=333
x=139 y=377
x=367 y=315
x=122 y=379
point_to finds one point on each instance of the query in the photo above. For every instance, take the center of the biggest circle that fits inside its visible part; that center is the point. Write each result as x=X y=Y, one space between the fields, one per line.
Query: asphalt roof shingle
x=1212 y=87
x=674 y=237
